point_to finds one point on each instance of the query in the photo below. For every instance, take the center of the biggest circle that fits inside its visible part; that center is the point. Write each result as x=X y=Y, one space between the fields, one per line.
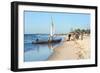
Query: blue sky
x=39 y=22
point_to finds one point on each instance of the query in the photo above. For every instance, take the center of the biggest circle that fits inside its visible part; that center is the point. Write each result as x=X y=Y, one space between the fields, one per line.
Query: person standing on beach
x=82 y=36
x=69 y=36
x=77 y=36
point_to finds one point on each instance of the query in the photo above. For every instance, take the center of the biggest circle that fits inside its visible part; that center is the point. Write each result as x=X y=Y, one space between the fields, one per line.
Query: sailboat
x=52 y=37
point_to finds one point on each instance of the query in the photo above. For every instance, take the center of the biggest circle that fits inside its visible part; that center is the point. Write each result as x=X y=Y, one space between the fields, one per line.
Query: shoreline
x=72 y=50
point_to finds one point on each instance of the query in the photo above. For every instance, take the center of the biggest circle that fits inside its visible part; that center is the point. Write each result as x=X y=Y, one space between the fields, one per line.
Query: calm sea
x=37 y=52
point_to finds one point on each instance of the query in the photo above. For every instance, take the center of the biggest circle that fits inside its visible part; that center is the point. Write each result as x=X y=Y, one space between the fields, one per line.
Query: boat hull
x=47 y=42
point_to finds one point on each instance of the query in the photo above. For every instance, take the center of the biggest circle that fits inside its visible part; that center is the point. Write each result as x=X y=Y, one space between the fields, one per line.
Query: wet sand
x=74 y=49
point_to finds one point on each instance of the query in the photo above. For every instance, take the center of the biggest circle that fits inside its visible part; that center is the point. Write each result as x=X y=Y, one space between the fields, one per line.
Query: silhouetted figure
x=69 y=36
x=37 y=40
x=81 y=36
x=77 y=36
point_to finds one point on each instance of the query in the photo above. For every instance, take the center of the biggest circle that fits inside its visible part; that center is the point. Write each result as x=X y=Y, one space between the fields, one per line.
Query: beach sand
x=72 y=50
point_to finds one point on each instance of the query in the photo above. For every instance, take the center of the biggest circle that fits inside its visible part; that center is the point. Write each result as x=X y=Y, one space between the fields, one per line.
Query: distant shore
x=73 y=49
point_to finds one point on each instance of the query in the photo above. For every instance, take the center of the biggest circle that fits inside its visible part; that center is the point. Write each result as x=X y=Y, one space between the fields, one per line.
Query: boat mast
x=51 y=30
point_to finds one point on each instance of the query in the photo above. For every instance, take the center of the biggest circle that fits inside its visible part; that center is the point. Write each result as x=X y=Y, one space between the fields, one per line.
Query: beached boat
x=47 y=42
x=52 y=37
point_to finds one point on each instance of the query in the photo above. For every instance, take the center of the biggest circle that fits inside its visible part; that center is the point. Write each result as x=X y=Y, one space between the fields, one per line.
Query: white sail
x=52 y=30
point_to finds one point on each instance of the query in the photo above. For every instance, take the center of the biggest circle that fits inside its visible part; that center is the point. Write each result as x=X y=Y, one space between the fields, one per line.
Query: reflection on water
x=37 y=52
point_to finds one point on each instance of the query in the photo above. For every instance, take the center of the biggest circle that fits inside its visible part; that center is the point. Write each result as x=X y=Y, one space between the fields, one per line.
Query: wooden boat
x=47 y=42
x=50 y=40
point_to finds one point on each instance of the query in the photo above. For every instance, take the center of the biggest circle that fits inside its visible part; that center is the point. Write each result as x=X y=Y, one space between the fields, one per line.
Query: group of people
x=75 y=36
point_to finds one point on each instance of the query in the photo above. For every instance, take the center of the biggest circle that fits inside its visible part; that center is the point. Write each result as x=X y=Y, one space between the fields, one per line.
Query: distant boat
x=52 y=37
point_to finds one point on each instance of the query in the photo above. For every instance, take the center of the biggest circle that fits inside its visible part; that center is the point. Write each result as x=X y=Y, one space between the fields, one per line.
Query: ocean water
x=37 y=52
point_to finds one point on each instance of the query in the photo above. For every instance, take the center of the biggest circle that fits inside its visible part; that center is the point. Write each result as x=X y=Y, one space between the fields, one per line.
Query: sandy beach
x=71 y=50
